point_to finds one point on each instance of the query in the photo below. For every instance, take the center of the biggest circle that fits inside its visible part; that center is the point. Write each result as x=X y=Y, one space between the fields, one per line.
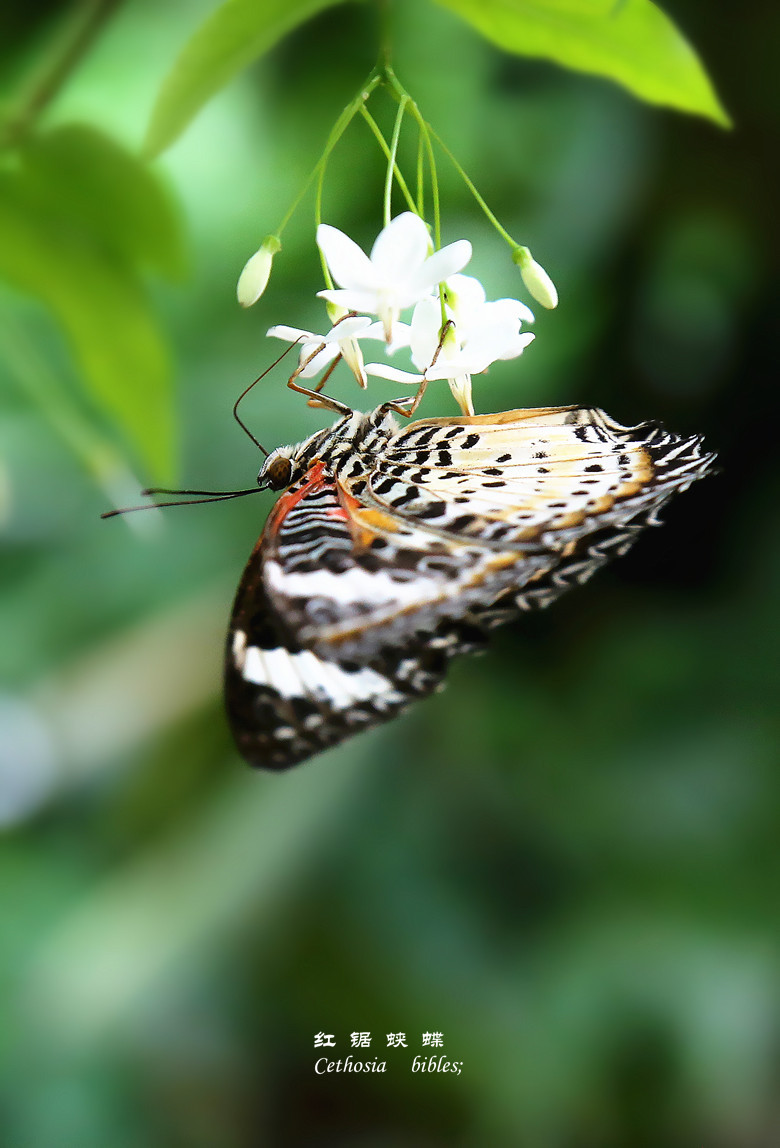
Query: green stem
x=338 y=130
x=377 y=131
x=425 y=131
x=420 y=176
x=470 y=185
x=401 y=93
x=76 y=41
x=334 y=136
x=425 y=136
x=391 y=161
x=385 y=34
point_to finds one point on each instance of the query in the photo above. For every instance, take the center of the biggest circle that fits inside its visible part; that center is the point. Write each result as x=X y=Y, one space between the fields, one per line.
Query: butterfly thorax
x=338 y=448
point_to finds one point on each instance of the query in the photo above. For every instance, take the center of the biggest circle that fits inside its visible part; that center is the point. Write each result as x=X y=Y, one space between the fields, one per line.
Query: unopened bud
x=254 y=278
x=538 y=283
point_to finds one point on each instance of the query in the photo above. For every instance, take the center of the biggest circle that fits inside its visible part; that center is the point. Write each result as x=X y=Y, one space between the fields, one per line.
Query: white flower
x=480 y=333
x=466 y=305
x=319 y=351
x=399 y=272
x=402 y=333
x=539 y=284
x=253 y=280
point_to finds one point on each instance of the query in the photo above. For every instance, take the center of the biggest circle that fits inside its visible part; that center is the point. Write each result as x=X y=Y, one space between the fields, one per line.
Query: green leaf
x=103 y=311
x=629 y=41
x=236 y=34
x=86 y=180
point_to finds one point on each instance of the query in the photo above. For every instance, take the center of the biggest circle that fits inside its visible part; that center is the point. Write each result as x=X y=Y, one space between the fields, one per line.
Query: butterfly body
x=392 y=550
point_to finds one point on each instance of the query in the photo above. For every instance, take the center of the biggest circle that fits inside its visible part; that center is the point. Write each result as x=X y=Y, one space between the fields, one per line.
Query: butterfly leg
x=314 y=397
x=406 y=407
x=313 y=354
x=318 y=400
x=305 y=362
x=327 y=375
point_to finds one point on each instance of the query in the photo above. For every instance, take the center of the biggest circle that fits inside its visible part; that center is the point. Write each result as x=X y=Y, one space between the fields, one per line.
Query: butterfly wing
x=369 y=578
x=287 y=700
x=513 y=508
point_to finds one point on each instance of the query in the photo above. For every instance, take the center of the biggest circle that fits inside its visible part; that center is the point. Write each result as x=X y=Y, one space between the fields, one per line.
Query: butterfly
x=391 y=550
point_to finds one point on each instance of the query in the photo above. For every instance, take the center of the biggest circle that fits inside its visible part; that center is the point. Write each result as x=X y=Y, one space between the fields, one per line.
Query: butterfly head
x=278 y=471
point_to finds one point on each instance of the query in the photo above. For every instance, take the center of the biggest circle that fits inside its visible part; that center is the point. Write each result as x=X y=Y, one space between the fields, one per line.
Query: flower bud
x=253 y=279
x=538 y=283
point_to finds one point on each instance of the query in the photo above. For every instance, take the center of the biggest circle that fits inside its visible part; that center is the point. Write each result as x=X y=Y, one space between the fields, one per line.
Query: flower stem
x=420 y=176
x=377 y=131
x=426 y=138
x=400 y=92
x=385 y=34
x=391 y=164
x=470 y=185
x=425 y=147
x=336 y=132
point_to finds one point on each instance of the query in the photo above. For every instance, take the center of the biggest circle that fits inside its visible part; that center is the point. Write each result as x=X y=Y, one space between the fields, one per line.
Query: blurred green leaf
x=98 y=301
x=108 y=191
x=234 y=35
x=631 y=42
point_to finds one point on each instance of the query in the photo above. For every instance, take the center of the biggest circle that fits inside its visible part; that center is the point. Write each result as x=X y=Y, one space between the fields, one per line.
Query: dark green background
x=569 y=862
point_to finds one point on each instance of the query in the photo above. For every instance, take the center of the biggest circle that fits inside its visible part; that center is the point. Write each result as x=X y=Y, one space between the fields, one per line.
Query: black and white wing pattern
x=393 y=550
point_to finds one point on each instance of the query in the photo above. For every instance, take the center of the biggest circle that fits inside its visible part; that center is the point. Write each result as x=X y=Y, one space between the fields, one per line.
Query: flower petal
x=349 y=265
x=518 y=346
x=488 y=344
x=401 y=335
x=347 y=329
x=441 y=265
x=513 y=309
x=424 y=332
x=385 y=371
x=401 y=248
x=461 y=390
x=353 y=357
x=323 y=358
x=465 y=293
x=449 y=369
x=352 y=300
x=291 y=334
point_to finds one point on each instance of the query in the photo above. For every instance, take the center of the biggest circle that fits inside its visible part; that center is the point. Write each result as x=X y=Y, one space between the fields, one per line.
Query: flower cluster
x=454 y=332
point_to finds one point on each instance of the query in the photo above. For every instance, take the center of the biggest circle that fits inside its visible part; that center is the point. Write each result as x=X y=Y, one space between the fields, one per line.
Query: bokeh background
x=569 y=862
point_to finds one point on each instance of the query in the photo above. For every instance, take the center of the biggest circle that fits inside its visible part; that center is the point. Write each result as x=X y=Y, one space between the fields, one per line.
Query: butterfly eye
x=278 y=473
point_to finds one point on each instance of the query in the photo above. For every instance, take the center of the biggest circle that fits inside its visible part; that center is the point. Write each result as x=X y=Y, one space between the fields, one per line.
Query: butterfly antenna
x=210 y=496
x=244 y=393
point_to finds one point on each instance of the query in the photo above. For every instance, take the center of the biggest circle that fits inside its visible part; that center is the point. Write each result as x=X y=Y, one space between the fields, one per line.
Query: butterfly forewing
x=398 y=549
x=511 y=481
